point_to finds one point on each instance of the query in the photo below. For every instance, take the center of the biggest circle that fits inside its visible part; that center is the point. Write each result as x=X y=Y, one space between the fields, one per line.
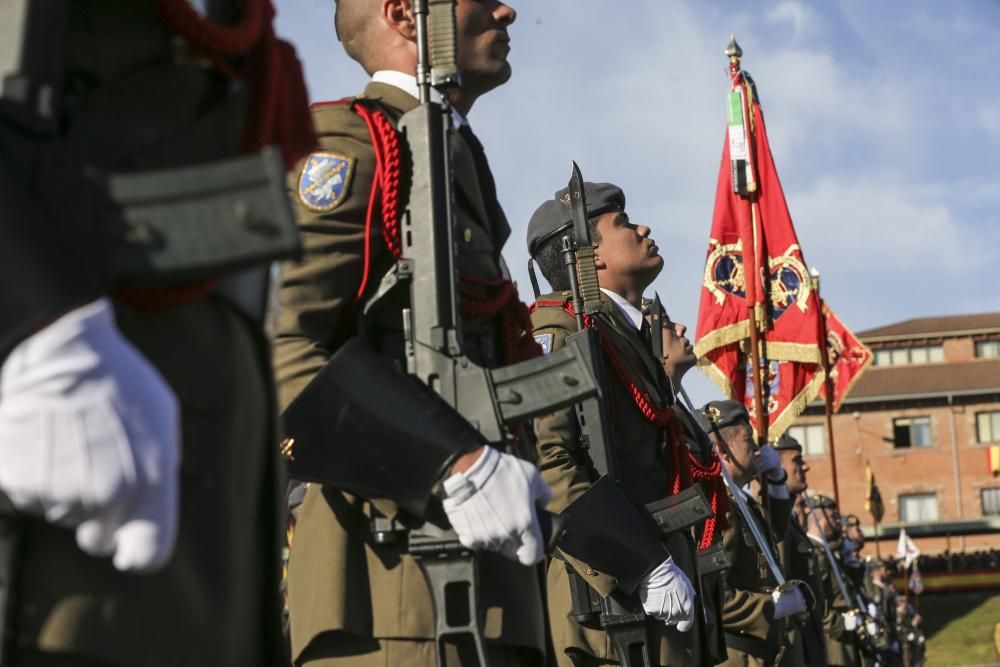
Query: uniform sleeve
x=744 y=611
x=317 y=293
x=563 y=465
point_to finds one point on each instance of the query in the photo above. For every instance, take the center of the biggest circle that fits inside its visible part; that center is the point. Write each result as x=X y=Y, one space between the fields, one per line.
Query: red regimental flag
x=751 y=227
x=847 y=356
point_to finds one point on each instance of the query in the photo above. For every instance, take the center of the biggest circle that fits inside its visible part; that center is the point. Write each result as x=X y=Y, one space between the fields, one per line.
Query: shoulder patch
x=324 y=180
x=545 y=341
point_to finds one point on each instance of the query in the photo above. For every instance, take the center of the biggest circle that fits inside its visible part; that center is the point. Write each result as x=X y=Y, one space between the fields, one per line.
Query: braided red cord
x=515 y=318
x=278 y=109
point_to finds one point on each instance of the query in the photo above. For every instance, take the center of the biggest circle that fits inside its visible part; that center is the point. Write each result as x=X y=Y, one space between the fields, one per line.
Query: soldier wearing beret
x=755 y=612
x=354 y=600
x=627 y=260
x=800 y=560
x=842 y=627
x=678 y=359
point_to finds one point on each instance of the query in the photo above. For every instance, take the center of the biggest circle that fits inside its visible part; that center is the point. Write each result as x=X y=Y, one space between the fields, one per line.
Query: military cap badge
x=323 y=181
x=713 y=413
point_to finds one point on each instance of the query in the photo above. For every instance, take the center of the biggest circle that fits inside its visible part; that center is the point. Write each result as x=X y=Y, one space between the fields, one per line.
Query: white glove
x=851 y=621
x=494 y=506
x=872 y=610
x=89 y=437
x=788 y=601
x=668 y=596
x=871 y=627
x=769 y=463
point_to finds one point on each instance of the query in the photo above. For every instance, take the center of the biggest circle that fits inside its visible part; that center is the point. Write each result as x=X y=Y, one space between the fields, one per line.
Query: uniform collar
x=633 y=314
x=408 y=84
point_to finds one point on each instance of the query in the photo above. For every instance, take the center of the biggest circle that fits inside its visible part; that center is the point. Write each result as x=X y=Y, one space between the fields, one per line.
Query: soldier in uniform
x=678 y=359
x=883 y=600
x=842 y=628
x=353 y=600
x=754 y=614
x=128 y=331
x=627 y=260
x=800 y=560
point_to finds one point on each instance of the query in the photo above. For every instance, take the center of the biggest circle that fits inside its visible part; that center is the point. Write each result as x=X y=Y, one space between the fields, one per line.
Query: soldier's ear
x=398 y=15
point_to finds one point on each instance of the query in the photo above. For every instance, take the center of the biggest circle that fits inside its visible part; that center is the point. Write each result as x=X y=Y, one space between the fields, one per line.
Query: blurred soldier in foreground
x=136 y=245
x=800 y=560
x=755 y=612
x=626 y=260
x=678 y=357
x=356 y=595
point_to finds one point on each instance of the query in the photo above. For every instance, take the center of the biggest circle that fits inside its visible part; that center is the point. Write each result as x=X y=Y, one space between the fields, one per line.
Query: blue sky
x=884 y=121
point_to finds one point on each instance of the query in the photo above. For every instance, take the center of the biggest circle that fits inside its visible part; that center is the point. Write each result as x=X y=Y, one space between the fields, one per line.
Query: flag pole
x=735 y=53
x=827 y=382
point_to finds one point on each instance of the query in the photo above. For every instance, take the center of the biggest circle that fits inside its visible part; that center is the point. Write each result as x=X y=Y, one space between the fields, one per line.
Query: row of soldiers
x=139 y=415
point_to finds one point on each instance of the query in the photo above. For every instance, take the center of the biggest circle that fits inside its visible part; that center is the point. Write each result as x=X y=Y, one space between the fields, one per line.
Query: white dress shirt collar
x=633 y=314
x=408 y=84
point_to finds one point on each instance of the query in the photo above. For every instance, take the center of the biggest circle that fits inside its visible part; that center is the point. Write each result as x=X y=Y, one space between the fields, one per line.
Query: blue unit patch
x=545 y=341
x=324 y=180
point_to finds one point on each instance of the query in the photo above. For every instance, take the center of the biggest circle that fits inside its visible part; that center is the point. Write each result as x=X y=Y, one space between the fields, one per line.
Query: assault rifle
x=365 y=427
x=616 y=537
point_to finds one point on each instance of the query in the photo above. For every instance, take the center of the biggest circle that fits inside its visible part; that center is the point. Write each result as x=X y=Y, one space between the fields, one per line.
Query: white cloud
x=800 y=16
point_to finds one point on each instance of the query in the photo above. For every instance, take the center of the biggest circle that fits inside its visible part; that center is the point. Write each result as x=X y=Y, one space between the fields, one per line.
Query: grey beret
x=556 y=214
x=725 y=413
x=788 y=443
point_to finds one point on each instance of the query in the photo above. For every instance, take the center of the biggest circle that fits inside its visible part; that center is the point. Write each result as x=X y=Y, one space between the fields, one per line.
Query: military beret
x=824 y=502
x=556 y=214
x=725 y=413
x=787 y=443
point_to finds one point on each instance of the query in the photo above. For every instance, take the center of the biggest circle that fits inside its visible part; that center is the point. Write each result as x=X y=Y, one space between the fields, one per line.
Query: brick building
x=924 y=414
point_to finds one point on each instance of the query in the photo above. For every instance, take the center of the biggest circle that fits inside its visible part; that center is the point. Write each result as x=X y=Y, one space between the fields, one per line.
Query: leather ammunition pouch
x=363 y=426
x=605 y=530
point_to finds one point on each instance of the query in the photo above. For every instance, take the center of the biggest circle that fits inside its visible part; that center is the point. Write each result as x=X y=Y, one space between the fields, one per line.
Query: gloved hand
x=851 y=620
x=788 y=601
x=871 y=627
x=872 y=610
x=494 y=506
x=89 y=437
x=769 y=463
x=667 y=595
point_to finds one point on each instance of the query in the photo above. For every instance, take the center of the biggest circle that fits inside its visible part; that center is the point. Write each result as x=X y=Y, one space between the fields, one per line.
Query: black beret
x=556 y=214
x=824 y=502
x=787 y=443
x=726 y=413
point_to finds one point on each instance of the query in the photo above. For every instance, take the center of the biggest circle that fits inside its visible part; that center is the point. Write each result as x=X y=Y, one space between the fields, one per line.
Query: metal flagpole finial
x=814 y=275
x=733 y=51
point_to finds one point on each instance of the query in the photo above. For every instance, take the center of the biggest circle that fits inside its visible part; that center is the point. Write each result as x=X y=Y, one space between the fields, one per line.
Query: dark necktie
x=487 y=186
x=647 y=335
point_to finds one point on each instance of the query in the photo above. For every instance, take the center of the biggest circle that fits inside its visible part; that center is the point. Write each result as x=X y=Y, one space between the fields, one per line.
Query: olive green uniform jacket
x=340 y=584
x=216 y=601
x=842 y=647
x=753 y=635
x=800 y=560
x=638 y=446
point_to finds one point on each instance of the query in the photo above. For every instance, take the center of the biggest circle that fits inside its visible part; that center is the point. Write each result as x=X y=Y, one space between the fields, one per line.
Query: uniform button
x=467 y=235
x=591 y=572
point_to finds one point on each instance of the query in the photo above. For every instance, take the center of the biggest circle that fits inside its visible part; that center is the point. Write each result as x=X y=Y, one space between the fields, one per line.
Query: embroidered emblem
x=324 y=180
x=788 y=280
x=545 y=341
x=770 y=380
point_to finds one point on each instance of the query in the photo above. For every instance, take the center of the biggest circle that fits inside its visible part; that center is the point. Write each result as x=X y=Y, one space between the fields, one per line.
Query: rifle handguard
x=364 y=427
x=605 y=530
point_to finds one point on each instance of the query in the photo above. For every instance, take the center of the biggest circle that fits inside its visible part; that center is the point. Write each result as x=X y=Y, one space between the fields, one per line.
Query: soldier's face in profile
x=796 y=467
x=738 y=453
x=678 y=353
x=626 y=252
x=483 y=43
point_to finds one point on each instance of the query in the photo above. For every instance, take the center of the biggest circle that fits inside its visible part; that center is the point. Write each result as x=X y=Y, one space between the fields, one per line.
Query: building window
x=988 y=426
x=812 y=437
x=988 y=348
x=911 y=432
x=904 y=356
x=918 y=507
x=991 y=501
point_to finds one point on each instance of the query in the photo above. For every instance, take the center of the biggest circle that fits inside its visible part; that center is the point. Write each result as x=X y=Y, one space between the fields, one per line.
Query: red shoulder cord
x=685 y=466
x=482 y=298
x=278 y=112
